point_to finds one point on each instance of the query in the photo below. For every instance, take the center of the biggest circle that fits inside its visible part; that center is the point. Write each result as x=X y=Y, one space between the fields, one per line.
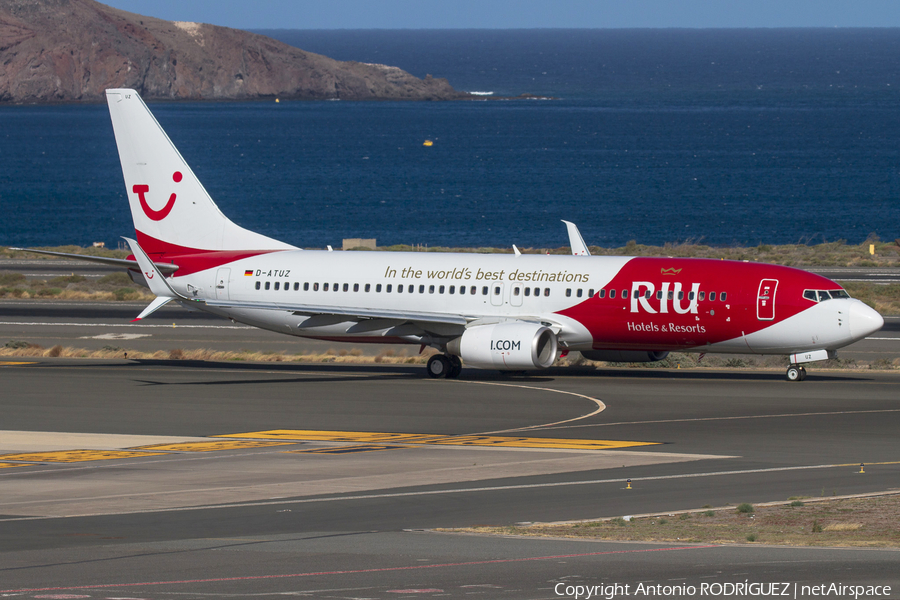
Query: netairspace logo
x=721 y=590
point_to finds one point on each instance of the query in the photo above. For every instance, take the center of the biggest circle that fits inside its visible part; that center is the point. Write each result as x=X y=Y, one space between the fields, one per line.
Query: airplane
x=510 y=312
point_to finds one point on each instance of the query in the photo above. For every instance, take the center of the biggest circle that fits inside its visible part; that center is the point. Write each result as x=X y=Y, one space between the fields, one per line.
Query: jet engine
x=511 y=346
x=626 y=356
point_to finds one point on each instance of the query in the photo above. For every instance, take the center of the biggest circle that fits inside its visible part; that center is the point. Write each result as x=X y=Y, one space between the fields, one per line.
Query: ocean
x=722 y=137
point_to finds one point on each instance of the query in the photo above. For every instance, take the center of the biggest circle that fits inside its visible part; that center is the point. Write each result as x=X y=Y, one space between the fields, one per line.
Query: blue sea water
x=720 y=136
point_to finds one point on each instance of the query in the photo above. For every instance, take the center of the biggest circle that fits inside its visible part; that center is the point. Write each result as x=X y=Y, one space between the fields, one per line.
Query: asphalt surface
x=314 y=518
x=270 y=520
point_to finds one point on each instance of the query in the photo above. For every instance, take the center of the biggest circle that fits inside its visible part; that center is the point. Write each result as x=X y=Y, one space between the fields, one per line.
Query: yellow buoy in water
x=277 y=100
x=428 y=143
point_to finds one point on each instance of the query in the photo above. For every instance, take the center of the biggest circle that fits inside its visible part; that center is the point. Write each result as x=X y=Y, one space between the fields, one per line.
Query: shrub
x=67 y=279
x=123 y=293
x=11 y=278
x=115 y=279
x=745 y=508
x=796 y=503
x=752 y=537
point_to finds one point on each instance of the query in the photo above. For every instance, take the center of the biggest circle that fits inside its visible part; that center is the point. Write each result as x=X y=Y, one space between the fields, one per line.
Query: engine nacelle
x=509 y=346
x=626 y=356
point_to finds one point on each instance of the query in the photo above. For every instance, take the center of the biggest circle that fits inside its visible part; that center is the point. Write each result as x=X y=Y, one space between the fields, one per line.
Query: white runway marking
x=792 y=415
x=600 y=405
x=466 y=490
x=115 y=336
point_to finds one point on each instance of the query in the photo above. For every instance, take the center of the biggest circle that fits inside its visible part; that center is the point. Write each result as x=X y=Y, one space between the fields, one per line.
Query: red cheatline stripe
x=351 y=572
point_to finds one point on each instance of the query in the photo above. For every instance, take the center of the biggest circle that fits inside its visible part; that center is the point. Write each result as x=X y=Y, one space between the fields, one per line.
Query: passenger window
x=537 y=291
x=712 y=296
x=422 y=289
x=546 y=291
x=368 y=287
x=378 y=288
x=647 y=294
x=527 y=290
x=346 y=287
x=624 y=293
x=315 y=287
x=516 y=291
x=590 y=293
x=578 y=293
x=296 y=286
x=399 y=289
x=473 y=290
x=568 y=292
x=722 y=296
x=659 y=295
x=681 y=295
x=411 y=288
x=441 y=290
x=691 y=295
x=612 y=294
x=276 y=285
x=388 y=289
x=484 y=290
x=462 y=289
x=497 y=290
x=356 y=287
x=452 y=289
x=671 y=295
x=603 y=293
x=257 y=285
x=287 y=286
x=267 y=285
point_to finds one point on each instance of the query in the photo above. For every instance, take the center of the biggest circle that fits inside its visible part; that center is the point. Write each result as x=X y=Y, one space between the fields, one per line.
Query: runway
x=329 y=480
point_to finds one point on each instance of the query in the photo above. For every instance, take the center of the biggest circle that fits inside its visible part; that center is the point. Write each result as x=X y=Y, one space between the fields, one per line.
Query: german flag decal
x=248 y=272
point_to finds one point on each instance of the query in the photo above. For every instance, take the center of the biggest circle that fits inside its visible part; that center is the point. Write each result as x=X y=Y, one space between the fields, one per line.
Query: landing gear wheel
x=455 y=367
x=802 y=373
x=438 y=366
x=794 y=373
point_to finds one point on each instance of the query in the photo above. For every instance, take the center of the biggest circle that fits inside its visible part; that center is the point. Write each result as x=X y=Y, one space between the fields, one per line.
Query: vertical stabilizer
x=172 y=212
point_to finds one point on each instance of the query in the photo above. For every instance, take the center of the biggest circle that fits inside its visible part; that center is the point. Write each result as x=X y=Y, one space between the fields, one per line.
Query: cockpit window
x=822 y=295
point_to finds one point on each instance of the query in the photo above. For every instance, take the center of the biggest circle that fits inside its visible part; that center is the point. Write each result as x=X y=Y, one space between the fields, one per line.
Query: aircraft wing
x=165 y=269
x=352 y=313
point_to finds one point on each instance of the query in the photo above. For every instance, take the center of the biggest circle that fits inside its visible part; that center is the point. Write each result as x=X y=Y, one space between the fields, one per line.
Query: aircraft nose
x=864 y=320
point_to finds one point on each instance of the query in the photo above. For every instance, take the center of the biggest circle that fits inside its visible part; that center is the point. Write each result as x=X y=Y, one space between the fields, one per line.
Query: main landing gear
x=444 y=366
x=795 y=373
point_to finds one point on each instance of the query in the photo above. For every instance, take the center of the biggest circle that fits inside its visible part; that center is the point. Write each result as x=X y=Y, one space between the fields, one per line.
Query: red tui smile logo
x=156 y=215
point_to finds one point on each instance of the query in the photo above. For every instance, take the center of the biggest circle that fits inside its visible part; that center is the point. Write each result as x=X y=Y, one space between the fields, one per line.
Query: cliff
x=72 y=50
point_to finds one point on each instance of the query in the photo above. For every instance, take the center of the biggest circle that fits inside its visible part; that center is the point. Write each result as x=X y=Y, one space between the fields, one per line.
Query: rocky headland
x=72 y=50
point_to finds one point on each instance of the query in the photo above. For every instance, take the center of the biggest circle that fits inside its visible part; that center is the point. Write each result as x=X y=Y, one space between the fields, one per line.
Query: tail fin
x=172 y=212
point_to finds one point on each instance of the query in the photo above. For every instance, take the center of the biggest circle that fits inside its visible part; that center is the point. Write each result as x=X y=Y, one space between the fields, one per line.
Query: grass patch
x=853 y=522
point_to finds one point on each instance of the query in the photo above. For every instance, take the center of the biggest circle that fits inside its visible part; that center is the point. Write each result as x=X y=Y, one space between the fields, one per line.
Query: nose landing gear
x=444 y=366
x=795 y=373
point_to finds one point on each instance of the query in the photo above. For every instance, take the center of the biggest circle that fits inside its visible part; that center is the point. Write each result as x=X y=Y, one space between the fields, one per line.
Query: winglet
x=155 y=280
x=576 y=242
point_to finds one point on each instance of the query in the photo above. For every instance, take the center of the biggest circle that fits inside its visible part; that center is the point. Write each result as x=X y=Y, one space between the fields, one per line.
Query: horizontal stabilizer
x=158 y=303
x=165 y=269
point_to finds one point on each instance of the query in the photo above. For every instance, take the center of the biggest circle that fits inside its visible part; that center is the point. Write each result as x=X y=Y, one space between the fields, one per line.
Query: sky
x=517 y=14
